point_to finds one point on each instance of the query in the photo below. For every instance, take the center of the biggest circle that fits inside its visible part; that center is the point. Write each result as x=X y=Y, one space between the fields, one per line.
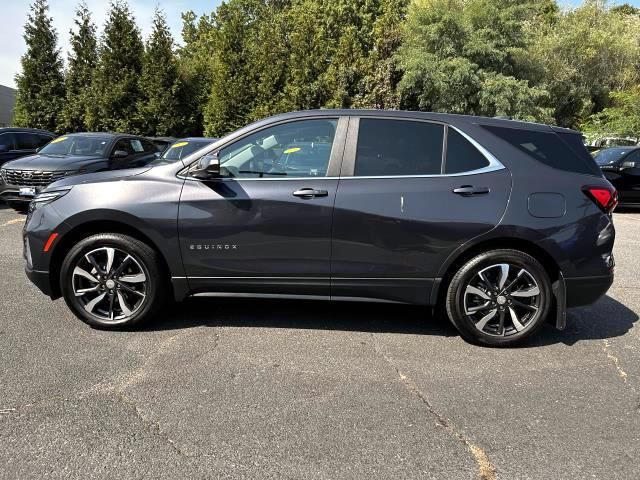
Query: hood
x=52 y=163
x=98 y=177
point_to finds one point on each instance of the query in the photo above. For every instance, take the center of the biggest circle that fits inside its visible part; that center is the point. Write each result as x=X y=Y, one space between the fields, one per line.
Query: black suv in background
x=19 y=142
x=621 y=166
x=73 y=154
x=502 y=223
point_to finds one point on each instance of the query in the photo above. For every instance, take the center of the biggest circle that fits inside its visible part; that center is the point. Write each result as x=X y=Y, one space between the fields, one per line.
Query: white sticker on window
x=137 y=145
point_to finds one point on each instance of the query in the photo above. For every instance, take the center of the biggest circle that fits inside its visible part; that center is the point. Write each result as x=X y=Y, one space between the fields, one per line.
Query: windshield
x=181 y=149
x=611 y=155
x=80 y=145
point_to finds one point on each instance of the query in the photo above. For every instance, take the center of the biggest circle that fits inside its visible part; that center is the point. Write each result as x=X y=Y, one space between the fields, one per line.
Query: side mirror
x=208 y=167
x=120 y=154
x=4 y=148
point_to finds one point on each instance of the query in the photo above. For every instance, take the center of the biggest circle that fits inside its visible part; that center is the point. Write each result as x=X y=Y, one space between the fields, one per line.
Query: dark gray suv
x=504 y=224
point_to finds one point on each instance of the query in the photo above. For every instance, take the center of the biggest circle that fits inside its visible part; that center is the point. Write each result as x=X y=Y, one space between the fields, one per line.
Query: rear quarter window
x=564 y=151
x=462 y=156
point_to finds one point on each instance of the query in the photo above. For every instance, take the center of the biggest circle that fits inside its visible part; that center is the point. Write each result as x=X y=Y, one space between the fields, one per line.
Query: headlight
x=45 y=198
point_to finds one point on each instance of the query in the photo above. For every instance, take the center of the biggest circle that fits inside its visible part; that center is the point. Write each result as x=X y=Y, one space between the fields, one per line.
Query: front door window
x=295 y=149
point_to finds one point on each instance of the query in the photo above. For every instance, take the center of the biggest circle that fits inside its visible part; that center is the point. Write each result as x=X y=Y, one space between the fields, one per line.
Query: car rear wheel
x=113 y=281
x=499 y=298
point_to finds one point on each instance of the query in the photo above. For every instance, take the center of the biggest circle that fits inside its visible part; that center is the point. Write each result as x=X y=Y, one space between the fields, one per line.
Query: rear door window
x=27 y=141
x=462 y=156
x=558 y=150
x=398 y=147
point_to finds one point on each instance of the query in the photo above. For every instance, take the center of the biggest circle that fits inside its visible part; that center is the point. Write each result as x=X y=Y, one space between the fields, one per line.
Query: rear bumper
x=40 y=280
x=586 y=290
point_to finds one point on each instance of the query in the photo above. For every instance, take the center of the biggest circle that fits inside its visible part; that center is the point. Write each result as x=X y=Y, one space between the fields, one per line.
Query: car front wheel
x=499 y=298
x=113 y=281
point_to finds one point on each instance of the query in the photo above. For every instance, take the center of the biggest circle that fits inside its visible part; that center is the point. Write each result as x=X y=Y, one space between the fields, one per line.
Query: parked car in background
x=74 y=154
x=504 y=224
x=608 y=142
x=621 y=166
x=20 y=142
x=162 y=143
x=183 y=148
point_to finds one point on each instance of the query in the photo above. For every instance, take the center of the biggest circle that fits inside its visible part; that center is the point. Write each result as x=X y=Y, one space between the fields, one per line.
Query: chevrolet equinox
x=502 y=224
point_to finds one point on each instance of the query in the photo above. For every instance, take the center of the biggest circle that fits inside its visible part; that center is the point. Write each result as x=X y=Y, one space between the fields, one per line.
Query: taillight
x=605 y=198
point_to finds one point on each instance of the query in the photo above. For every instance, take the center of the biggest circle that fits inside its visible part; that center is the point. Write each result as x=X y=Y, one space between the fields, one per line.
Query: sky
x=14 y=14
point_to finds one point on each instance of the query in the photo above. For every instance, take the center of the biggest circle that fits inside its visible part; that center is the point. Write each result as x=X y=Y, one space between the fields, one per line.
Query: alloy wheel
x=502 y=300
x=109 y=284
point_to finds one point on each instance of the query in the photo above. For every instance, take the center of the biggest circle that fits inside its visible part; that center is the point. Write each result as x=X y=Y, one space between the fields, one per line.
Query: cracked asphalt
x=266 y=389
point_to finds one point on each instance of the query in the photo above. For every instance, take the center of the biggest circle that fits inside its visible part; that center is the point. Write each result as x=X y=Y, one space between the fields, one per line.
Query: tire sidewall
x=455 y=296
x=143 y=254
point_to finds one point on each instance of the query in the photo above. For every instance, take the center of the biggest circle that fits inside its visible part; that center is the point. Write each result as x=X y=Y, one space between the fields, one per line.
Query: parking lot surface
x=269 y=389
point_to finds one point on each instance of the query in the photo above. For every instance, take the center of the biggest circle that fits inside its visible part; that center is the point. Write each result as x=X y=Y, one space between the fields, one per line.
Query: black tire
x=142 y=300
x=485 y=271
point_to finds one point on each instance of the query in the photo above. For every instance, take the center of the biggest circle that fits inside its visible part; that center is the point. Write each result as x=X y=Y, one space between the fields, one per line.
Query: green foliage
x=82 y=62
x=195 y=67
x=158 y=106
x=527 y=59
x=583 y=55
x=621 y=119
x=116 y=88
x=41 y=84
x=469 y=57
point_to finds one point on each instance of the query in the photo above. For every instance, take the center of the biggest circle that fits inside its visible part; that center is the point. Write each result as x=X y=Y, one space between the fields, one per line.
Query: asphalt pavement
x=265 y=389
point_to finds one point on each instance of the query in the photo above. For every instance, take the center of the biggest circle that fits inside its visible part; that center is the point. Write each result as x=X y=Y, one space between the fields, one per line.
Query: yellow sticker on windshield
x=179 y=144
x=59 y=139
x=292 y=150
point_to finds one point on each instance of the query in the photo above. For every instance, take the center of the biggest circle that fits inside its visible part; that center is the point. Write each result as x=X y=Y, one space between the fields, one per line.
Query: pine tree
x=116 y=83
x=232 y=87
x=195 y=67
x=41 y=84
x=83 y=59
x=158 y=109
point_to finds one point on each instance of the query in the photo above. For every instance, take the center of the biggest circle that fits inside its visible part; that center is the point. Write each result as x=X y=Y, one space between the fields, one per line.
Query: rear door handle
x=468 y=190
x=310 y=193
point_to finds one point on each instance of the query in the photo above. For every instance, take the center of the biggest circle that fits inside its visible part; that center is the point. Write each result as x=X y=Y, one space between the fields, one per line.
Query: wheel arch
x=550 y=265
x=87 y=229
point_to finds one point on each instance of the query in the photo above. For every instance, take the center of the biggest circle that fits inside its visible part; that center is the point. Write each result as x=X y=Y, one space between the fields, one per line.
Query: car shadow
x=607 y=318
x=302 y=314
x=627 y=209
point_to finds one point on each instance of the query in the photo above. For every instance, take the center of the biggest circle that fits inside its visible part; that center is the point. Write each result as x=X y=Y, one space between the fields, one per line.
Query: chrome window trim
x=238 y=179
x=494 y=164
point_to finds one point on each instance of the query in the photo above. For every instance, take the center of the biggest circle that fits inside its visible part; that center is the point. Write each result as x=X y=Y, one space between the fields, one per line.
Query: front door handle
x=310 y=193
x=468 y=190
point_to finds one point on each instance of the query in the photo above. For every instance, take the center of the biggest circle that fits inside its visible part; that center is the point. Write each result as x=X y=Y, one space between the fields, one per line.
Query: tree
x=382 y=73
x=470 y=57
x=159 y=107
x=622 y=118
x=195 y=67
x=236 y=52
x=40 y=85
x=584 y=54
x=82 y=62
x=115 y=85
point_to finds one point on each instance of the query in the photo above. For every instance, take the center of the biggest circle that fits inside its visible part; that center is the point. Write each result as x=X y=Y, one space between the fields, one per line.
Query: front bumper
x=11 y=193
x=586 y=290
